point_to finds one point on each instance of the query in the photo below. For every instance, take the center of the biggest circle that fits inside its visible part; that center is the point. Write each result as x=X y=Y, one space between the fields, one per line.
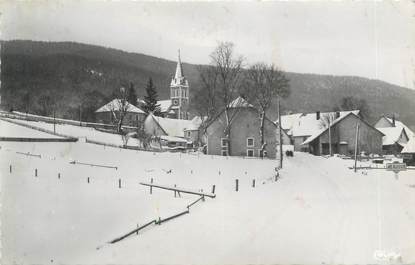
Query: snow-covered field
x=319 y=211
x=8 y=129
x=86 y=132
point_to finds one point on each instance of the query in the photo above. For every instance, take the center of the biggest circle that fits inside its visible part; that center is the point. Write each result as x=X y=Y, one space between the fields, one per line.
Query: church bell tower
x=179 y=92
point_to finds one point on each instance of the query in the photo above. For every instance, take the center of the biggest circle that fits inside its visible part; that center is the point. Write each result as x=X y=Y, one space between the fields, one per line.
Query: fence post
x=253 y=183
x=35 y=172
x=213 y=189
x=88 y=180
x=175 y=191
x=236 y=184
x=151 y=187
x=119 y=183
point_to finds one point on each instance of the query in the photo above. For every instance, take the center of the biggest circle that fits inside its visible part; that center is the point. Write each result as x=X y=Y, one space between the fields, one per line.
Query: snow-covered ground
x=8 y=129
x=86 y=132
x=319 y=211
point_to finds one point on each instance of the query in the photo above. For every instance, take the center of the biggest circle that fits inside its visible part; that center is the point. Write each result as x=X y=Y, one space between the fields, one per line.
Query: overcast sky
x=369 y=39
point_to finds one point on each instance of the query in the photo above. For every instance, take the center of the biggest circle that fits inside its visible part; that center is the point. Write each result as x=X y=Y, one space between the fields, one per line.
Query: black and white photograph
x=207 y=132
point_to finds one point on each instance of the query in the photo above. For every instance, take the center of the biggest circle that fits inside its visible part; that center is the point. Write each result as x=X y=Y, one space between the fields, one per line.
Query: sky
x=374 y=39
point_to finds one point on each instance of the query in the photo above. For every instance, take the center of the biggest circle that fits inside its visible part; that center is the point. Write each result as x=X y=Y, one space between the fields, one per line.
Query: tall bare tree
x=263 y=83
x=227 y=69
x=326 y=121
x=205 y=100
x=120 y=107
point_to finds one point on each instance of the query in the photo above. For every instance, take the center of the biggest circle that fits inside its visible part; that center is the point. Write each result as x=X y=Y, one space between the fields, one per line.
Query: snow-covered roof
x=287 y=121
x=173 y=127
x=195 y=123
x=164 y=105
x=307 y=124
x=410 y=146
x=239 y=102
x=173 y=139
x=140 y=101
x=398 y=124
x=115 y=105
x=343 y=114
x=392 y=135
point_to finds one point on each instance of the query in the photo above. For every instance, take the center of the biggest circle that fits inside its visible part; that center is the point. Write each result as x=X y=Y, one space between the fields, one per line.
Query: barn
x=343 y=136
x=300 y=126
x=244 y=133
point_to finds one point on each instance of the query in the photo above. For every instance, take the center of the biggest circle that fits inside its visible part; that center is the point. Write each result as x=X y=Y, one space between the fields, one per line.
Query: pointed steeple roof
x=179 y=70
x=179 y=78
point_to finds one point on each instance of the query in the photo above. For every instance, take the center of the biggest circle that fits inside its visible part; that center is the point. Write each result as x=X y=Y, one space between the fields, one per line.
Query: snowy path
x=318 y=211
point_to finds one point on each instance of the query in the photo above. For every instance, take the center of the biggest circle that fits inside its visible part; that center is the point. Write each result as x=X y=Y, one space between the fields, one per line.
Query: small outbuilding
x=171 y=131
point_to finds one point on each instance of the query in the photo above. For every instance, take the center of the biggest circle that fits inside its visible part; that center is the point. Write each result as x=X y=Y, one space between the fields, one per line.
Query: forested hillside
x=37 y=76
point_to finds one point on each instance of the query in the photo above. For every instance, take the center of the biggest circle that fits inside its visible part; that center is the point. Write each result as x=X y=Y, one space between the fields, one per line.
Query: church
x=177 y=107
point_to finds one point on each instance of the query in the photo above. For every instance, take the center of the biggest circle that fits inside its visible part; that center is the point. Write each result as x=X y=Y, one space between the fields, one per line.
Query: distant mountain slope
x=74 y=73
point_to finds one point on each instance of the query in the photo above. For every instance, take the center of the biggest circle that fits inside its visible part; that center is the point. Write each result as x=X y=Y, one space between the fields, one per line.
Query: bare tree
x=227 y=68
x=205 y=100
x=119 y=108
x=326 y=121
x=262 y=84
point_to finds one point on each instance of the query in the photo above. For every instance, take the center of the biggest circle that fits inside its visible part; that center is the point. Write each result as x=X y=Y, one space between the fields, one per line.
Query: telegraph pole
x=330 y=136
x=356 y=144
x=279 y=132
x=54 y=121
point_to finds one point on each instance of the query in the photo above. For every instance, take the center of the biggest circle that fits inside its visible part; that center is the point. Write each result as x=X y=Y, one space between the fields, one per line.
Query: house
x=300 y=126
x=172 y=131
x=108 y=113
x=408 y=152
x=394 y=140
x=385 y=122
x=193 y=132
x=397 y=134
x=343 y=137
x=244 y=132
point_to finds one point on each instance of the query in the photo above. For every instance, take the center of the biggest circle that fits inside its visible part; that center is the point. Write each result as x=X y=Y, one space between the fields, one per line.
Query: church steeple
x=179 y=71
x=179 y=91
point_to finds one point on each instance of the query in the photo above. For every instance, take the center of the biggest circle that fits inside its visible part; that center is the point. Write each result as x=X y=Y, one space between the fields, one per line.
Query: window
x=224 y=153
x=250 y=152
x=250 y=142
x=224 y=142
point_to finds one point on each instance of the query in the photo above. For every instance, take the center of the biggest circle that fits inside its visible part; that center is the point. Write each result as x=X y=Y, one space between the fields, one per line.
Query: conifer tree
x=150 y=100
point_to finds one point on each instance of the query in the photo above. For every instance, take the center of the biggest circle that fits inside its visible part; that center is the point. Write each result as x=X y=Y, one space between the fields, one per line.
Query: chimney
x=337 y=114
x=317 y=115
x=393 y=120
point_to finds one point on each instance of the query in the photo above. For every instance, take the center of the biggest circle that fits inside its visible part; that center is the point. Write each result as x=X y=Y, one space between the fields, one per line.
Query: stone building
x=244 y=133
